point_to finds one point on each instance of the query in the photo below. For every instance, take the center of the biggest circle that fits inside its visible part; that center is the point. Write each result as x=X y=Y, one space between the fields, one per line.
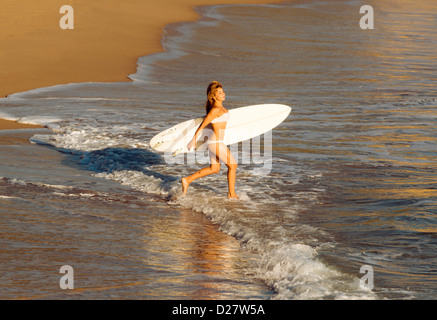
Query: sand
x=10 y=125
x=9 y=135
x=107 y=39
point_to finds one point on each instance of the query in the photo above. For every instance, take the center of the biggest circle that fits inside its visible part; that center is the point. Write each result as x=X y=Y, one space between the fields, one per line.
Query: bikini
x=223 y=118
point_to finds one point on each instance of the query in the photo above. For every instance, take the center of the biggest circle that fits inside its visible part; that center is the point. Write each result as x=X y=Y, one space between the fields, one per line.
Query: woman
x=218 y=116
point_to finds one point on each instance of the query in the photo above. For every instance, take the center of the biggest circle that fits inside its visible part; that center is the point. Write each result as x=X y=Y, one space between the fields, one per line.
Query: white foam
x=54 y=186
x=39 y=120
x=294 y=272
x=138 y=181
x=35 y=120
x=18 y=182
x=7 y=197
x=24 y=183
x=7 y=116
x=25 y=94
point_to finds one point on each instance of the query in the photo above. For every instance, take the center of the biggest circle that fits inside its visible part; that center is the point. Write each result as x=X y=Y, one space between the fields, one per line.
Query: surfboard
x=244 y=123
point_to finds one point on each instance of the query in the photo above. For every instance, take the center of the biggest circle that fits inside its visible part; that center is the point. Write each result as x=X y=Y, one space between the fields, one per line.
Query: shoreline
x=12 y=125
x=12 y=133
x=104 y=46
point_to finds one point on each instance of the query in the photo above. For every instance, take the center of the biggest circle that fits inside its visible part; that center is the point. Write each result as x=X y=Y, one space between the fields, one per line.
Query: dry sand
x=107 y=39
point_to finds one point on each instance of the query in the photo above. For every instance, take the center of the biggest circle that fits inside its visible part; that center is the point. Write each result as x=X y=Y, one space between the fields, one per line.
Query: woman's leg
x=213 y=168
x=218 y=152
x=224 y=154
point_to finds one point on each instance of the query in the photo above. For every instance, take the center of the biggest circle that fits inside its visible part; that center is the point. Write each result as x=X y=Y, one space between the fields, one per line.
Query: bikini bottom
x=215 y=141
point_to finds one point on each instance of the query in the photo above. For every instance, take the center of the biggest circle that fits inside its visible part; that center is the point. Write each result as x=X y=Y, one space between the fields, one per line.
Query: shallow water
x=351 y=183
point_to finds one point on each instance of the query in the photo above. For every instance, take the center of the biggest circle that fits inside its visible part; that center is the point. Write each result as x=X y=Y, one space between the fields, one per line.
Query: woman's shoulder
x=218 y=110
x=215 y=111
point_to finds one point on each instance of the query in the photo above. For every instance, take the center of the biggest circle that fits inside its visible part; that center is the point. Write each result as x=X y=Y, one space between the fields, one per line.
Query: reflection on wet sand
x=205 y=252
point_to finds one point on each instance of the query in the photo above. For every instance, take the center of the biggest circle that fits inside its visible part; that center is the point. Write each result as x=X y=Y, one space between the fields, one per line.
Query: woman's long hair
x=210 y=93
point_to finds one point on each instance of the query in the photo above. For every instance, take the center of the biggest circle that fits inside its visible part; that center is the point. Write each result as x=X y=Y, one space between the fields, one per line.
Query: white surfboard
x=244 y=123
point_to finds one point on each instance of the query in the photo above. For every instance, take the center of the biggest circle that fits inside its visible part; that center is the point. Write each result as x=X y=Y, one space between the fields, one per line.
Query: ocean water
x=351 y=185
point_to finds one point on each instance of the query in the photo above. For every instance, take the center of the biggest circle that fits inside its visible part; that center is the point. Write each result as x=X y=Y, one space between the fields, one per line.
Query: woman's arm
x=213 y=113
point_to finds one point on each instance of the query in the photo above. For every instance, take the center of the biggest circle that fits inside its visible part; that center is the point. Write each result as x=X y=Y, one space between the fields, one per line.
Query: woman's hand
x=191 y=145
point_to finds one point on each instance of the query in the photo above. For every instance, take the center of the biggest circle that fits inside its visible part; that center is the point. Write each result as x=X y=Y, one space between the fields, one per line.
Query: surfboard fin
x=157 y=145
x=176 y=152
x=160 y=144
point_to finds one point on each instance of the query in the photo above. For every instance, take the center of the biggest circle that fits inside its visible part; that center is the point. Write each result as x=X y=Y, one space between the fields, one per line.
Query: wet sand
x=10 y=132
x=10 y=125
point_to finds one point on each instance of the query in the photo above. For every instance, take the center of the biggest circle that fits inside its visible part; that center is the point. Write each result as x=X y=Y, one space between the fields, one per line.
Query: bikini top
x=224 y=118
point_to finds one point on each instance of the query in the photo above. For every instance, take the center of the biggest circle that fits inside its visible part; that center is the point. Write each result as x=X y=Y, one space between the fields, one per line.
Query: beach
x=345 y=184
x=107 y=39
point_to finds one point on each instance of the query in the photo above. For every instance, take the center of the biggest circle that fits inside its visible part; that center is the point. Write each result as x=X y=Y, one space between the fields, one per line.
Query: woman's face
x=220 y=95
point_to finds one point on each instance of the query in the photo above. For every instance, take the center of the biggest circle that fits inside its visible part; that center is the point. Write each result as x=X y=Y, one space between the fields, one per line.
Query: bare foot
x=232 y=196
x=184 y=185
